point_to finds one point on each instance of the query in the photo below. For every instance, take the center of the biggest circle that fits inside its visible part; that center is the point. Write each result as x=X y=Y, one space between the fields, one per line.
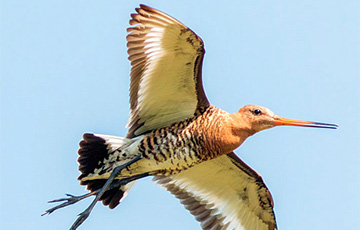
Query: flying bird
x=177 y=136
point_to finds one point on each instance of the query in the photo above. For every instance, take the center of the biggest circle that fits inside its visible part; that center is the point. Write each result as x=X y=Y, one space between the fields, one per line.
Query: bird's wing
x=166 y=59
x=223 y=193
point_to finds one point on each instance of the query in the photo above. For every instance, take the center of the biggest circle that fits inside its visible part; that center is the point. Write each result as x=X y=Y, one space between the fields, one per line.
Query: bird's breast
x=183 y=144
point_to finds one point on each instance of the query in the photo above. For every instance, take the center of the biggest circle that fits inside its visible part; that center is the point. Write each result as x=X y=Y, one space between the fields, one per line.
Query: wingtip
x=145 y=7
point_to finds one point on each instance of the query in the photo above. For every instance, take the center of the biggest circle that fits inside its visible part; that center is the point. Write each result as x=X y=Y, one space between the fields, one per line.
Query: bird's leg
x=82 y=216
x=108 y=185
x=71 y=199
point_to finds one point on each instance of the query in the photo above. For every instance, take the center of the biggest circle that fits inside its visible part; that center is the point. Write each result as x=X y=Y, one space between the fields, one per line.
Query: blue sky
x=64 y=71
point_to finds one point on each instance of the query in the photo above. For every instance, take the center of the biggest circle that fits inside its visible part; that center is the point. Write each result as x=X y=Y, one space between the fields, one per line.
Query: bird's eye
x=257 y=112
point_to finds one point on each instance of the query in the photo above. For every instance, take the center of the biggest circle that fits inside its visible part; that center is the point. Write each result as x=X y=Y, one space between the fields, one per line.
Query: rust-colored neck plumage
x=236 y=131
x=222 y=131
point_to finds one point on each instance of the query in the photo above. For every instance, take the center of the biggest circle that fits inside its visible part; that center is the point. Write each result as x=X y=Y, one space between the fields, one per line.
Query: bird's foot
x=82 y=217
x=71 y=199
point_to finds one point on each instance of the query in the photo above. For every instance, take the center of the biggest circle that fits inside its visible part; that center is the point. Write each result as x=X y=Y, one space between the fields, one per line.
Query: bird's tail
x=95 y=154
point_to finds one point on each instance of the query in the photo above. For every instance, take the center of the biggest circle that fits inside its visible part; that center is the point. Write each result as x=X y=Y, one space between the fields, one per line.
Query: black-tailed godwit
x=177 y=136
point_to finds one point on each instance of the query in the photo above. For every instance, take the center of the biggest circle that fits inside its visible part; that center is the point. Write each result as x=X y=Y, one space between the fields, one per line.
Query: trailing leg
x=71 y=199
x=82 y=216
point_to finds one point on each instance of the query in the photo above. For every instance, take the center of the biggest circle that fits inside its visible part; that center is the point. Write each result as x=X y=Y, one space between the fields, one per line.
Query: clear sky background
x=64 y=71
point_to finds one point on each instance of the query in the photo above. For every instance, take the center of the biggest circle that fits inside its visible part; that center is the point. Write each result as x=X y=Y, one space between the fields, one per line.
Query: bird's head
x=259 y=118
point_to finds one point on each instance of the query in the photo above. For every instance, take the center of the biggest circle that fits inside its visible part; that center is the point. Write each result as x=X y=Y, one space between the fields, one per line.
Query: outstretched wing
x=166 y=59
x=224 y=193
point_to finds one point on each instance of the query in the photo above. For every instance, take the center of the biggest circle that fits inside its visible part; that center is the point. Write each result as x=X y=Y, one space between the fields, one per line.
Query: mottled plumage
x=165 y=151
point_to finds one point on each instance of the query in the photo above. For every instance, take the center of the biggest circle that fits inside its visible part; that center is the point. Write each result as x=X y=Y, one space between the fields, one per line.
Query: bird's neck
x=218 y=131
x=227 y=133
x=237 y=131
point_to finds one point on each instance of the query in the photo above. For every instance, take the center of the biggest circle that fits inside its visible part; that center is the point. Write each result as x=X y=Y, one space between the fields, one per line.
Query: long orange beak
x=285 y=121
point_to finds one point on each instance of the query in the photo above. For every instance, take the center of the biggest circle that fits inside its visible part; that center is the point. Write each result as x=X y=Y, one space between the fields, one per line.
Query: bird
x=176 y=136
